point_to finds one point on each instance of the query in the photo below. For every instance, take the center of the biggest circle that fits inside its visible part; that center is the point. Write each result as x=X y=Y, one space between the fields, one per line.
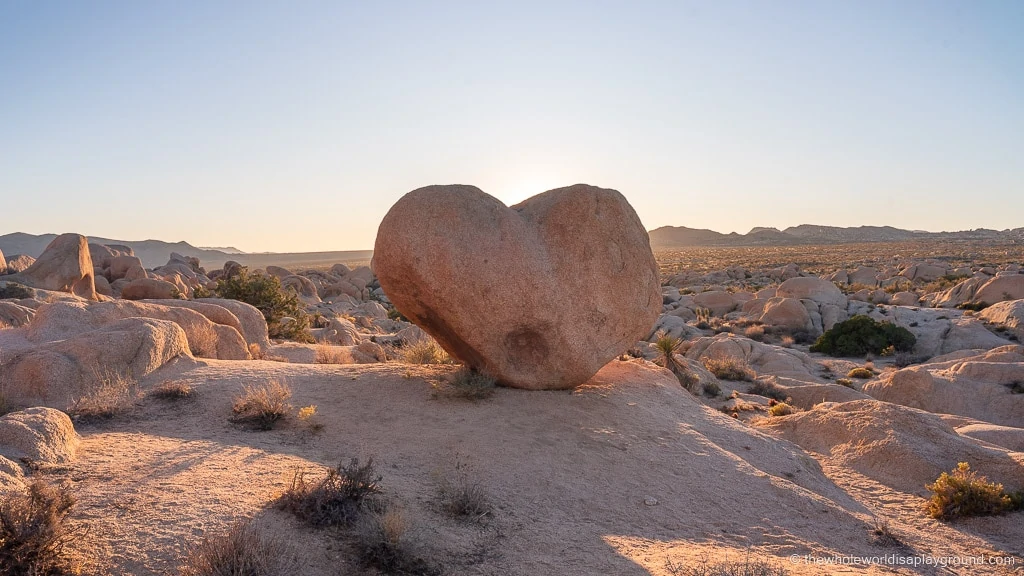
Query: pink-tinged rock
x=540 y=295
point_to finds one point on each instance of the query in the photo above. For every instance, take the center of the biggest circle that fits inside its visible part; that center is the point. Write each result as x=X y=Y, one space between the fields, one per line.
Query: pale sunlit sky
x=293 y=126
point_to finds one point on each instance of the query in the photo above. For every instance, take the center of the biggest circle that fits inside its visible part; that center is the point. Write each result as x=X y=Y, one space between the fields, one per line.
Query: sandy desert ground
x=639 y=470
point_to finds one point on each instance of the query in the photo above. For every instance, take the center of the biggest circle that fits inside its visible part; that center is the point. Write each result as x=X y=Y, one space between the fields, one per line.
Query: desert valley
x=529 y=390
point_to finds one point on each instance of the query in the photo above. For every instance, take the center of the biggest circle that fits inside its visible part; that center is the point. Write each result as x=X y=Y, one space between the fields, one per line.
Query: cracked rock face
x=539 y=295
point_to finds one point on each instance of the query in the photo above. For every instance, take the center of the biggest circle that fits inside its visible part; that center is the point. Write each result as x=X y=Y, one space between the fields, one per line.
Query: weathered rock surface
x=541 y=294
x=65 y=266
x=56 y=373
x=898 y=446
x=978 y=386
x=42 y=435
x=205 y=338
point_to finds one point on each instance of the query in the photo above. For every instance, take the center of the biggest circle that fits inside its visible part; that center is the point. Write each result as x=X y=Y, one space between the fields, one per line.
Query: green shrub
x=780 y=409
x=861 y=335
x=965 y=493
x=862 y=373
x=15 y=291
x=285 y=315
x=845 y=382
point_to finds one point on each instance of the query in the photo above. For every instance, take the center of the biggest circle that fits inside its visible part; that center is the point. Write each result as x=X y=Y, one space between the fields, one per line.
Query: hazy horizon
x=294 y=128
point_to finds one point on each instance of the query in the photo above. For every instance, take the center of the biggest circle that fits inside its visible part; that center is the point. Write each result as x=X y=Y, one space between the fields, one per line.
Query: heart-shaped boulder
x=539 y=295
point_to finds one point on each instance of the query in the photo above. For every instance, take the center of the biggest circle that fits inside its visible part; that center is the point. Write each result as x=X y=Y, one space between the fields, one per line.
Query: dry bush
x=242 y=551
x=780 y=409
x=424 y=351
x=256 y=351
x=113 y=394
x=203 y=343
x=845 y=382
x=173 y=390
x=862 y=373
x=34 y=531
x=711 y=389
x=729 y=368
x=4 y=325
x=328 y=354
x=768 y=390
x=468 y=384
x=787 y=341
x=382 y=540
x=705 y=567
x=263 y=406
x=965 y=493
x=336 y=500
x=754 y=333
x=461 y=494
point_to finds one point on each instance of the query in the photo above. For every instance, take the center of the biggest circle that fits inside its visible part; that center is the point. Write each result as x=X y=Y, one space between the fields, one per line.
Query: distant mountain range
x=155 y=253
x=680 y=236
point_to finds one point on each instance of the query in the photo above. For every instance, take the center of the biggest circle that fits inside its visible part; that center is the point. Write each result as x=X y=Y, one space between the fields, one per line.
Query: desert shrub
x=780 y=409
x=462 y=495
x=754 y=333
x=1016 y=387
x=787 y=341
x=860 y=372
x=468 y=384
x=173 y=390
x=382 y=541
x=964 y=493
x=113 y=394
x=862 y=335
x=668 y=346
x=242 y=551
x=729 y=368
x=768 y=390
x=973 y=306
x=34 y=531
x=845 y=382
x=256 y=351
x=285 y=315
x=705 y=567
x=15 y=291
x=425 y=351
x=904 y=359
x=263 y=406
x=336 y=500
x=711 y=389
x=328 y=354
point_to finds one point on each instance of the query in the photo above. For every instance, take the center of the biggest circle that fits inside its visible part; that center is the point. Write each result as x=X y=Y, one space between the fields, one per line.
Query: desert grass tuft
x=113 y=394
x=861 y=373
x=34 y=531
x=729 y=368
x=768 y=390
x=462 y=494
x=467 y=384
x=263 y=406
x=242 y=551
x=424 y=351
x=173 y=390
x=329 y=354
x=383 y=541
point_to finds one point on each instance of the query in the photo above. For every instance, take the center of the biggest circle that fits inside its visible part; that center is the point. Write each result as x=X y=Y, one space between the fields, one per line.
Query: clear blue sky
x=293 y=126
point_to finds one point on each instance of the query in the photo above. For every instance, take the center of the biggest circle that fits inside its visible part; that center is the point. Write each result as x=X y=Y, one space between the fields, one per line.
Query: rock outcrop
x=540 y=295
x=65 y=266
